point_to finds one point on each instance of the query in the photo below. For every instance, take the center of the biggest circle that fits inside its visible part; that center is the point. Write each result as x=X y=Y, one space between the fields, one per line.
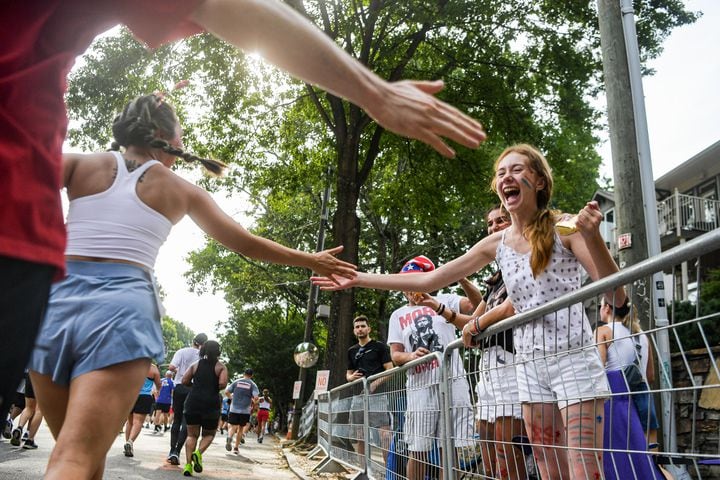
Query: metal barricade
x=323 y=421
x=586 y=421
x=308 y=419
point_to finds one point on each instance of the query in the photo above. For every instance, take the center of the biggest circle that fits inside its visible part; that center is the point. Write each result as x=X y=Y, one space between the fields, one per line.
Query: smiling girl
x=561 y=379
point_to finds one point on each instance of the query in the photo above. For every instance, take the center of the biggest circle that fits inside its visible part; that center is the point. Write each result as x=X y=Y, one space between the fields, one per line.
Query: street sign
x=624 y=241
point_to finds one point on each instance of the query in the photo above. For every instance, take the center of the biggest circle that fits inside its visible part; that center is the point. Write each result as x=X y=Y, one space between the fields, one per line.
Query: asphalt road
x=256 y=460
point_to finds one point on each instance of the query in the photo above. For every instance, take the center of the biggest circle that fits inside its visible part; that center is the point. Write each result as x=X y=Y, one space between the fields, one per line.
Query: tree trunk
x=346 y=231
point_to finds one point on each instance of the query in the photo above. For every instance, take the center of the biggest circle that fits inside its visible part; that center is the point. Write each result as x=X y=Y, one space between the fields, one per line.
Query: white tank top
x=624 y=350
x=116 y=223
x=556 y=332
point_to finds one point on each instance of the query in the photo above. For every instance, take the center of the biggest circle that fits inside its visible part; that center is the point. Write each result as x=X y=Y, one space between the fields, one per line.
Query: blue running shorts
x=101 y=314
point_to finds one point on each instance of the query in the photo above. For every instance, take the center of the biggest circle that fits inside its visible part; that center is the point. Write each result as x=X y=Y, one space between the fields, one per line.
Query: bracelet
x=441 y=309
x=476 y=323
x=453 y=316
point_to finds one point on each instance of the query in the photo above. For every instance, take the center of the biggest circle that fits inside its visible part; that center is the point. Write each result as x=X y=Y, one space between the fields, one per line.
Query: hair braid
x=139 y=123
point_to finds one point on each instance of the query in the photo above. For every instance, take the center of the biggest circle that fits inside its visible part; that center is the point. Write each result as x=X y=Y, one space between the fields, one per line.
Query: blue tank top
x=147 y=386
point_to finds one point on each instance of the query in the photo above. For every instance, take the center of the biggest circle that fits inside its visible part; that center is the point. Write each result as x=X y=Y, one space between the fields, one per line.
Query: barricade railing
x=307 y=419
x=474 y=399
x=323 y=419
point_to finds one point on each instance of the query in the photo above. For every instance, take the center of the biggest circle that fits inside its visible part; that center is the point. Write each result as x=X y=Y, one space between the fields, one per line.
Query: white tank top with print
x=555 y=332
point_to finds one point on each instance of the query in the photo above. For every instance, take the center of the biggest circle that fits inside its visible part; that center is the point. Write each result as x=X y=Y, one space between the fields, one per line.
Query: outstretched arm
x=215 y=222
x=291 y=42
x=476 y=258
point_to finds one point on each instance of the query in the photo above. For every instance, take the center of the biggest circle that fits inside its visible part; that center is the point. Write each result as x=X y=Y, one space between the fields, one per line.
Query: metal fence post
x=446 y=404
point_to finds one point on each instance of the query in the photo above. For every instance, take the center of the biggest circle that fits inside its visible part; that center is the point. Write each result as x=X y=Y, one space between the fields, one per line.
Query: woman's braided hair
x=139 y=123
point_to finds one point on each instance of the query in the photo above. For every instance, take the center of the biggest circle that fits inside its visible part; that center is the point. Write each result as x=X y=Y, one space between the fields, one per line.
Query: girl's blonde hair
x=540 y=232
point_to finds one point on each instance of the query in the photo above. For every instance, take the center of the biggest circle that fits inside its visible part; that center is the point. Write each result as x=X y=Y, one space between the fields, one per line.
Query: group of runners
x=197 y=409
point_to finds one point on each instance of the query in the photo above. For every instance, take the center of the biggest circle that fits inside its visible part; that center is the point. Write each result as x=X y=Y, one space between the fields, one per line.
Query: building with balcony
x=687 y=206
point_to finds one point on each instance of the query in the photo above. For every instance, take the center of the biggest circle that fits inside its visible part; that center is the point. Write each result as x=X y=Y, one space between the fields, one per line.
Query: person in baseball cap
x=421 y=263
x=200 y=339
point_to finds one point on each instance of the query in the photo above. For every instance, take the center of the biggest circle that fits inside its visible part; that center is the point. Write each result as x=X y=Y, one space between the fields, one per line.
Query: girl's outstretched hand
x=333 y=283
x=327 y=264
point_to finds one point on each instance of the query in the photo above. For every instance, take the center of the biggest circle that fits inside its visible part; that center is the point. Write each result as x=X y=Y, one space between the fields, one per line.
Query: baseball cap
x=248 y=371
x=420 y=263
x=200 y=339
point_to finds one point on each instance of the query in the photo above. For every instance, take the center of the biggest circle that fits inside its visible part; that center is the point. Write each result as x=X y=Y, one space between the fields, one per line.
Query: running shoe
x=26 y=435
x=242 y=439
x=128 y=449
x=260 y=439
x=30 y=444
x=15 y=440
x=228 y=443
x=197 y=461
x=187 y=471
x=7 y=431
x=236 y=451
x=174 y=459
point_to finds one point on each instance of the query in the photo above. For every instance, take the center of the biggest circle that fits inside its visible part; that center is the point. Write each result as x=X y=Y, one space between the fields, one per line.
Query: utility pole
x=629 y=211
x=632 y=168
x=311 y=306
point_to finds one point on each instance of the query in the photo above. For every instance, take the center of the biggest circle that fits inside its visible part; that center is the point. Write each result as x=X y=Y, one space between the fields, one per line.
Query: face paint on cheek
x=525 y=181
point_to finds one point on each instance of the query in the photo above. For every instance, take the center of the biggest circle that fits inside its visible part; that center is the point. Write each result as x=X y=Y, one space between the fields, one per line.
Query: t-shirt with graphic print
x=556 y=332
x=415 y=326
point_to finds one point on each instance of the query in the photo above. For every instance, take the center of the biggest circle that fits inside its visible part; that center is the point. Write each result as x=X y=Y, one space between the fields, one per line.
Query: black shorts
x=206 y=421
x=25 y=288
x=143 y=405
x=19 y=401
x=163 y=407
x=29 y=392
x=224 y=417
x=238 y=418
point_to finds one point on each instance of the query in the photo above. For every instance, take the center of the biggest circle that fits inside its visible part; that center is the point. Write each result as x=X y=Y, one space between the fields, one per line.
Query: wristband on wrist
x=476 y=324
x=441 y=308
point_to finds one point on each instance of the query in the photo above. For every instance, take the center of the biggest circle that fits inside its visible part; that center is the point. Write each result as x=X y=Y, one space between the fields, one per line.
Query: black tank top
x=204 y=396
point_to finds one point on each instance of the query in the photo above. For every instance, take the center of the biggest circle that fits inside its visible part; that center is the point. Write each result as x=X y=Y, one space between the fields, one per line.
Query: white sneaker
x=128 y=449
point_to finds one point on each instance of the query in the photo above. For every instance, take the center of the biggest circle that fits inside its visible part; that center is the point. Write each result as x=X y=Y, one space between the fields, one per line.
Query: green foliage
x=176 y=335
x=694 y=334
x=264 y=339
x=527 y=69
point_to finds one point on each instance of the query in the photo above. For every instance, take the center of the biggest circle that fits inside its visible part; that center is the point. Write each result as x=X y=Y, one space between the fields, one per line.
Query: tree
x=527 y=69
x=706 y=328
x=176 y=335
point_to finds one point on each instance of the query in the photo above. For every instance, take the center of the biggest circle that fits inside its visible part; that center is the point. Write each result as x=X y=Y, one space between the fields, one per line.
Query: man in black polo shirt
x=366 y=358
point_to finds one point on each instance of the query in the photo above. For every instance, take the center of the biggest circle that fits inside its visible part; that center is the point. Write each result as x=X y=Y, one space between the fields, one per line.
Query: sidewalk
x=257 y=461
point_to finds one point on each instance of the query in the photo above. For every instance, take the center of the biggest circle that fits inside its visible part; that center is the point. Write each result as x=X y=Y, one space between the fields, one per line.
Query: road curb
x=294 y=465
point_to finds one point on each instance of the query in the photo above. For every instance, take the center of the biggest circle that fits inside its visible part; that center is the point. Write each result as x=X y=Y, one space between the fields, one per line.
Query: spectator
x=560 y=376
x=416 y=330
x=366 y=358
